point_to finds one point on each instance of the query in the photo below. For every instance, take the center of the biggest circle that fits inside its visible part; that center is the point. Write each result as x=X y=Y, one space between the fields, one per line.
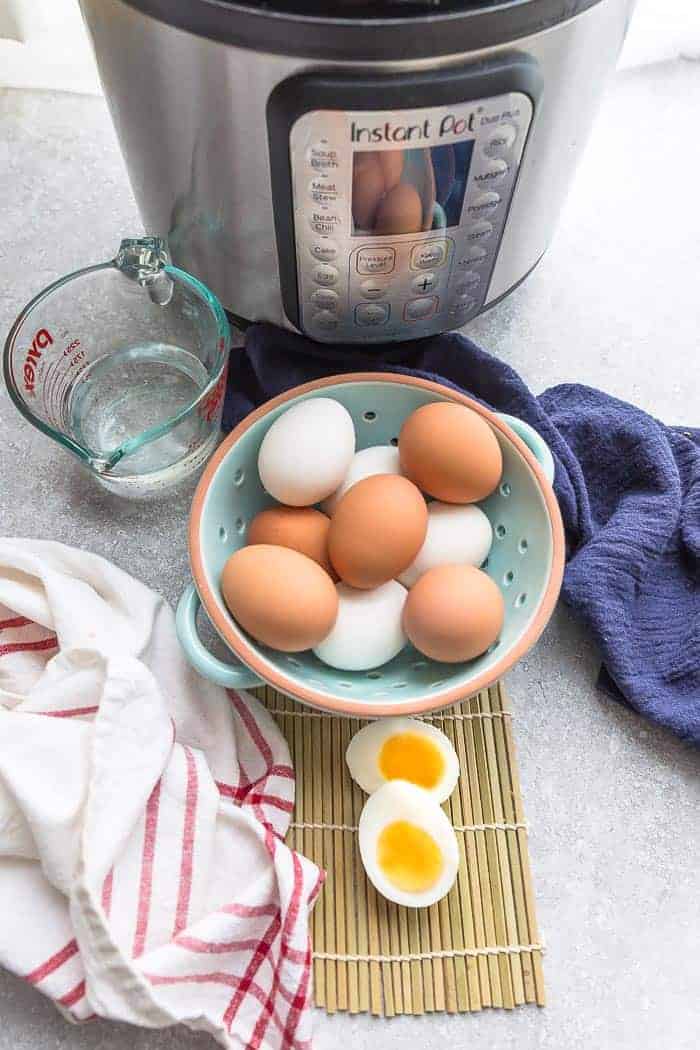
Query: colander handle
x=234 y=675
x=537 y=445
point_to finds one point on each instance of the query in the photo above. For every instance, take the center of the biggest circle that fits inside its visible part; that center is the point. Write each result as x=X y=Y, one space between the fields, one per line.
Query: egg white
x=367 y=631
x=378 y=459
x=362 y=755
x=399 y=800
x=457 y=535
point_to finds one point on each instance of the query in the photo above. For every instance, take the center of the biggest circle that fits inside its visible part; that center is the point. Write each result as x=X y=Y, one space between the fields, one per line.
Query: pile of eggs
x=368 y=550
x=407 y=844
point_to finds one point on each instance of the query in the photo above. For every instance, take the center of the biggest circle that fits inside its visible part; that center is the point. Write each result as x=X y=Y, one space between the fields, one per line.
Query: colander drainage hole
x=369 y=417
x=505 y=489
x=419 y=665
x=436 y=685
x=485 y=564
x=523 y=545
x=500 y=531
x=508 y=578
x=521 y=599
x=374 y=674
x=394 y=442
x=400 y=685
x=238 y=478
x=240 y=525
x=346 y=685
x=292 y=662
x=223 y=535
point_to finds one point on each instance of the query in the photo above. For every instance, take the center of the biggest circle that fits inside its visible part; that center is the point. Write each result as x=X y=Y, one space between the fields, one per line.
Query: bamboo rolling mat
x=477 y=947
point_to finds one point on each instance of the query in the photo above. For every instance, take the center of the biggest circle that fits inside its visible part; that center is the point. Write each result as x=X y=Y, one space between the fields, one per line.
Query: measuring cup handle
x=537 y=445
x=230 y=675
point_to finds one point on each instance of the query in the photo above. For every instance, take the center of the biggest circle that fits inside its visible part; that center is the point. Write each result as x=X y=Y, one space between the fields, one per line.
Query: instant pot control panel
x=389 y=220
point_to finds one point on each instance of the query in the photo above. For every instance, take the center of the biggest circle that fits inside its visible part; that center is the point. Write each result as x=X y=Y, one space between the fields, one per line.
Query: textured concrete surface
x=612 y=801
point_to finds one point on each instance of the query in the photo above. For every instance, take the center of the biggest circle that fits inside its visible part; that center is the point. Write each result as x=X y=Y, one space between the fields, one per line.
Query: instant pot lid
x=358 y=30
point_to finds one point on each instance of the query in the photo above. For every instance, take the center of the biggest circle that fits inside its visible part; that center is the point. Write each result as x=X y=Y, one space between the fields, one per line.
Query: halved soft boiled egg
x=408 y=846
x=403 y=749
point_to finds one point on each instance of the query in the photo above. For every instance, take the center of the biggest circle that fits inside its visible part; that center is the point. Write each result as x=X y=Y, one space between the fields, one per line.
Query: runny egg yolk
x=409 y=857
x=413 y=757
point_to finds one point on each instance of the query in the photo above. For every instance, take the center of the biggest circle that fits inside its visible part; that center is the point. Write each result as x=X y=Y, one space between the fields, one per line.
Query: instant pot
x=357 y=172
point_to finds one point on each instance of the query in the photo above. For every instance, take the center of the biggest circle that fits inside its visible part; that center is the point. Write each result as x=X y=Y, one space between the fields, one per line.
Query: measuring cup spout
x=144 y=259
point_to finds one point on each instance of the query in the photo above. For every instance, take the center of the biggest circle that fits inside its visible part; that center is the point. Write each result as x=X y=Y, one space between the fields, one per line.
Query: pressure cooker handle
x=231 y=675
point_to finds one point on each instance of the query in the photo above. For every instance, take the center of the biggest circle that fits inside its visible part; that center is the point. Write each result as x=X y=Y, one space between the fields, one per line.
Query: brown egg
x=391 y=163
x=302 y=529
x=400 y=211
x=279 y=596
x=376 y=530
x=367 y=189
x=450 y=452
x=453 y=613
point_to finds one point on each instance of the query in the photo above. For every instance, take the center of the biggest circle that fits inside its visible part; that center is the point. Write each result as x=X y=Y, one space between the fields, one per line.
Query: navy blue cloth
x=628 y=487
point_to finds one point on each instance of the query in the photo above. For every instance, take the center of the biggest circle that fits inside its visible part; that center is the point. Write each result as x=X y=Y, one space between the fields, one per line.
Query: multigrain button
x=479 y=231
x=326 y=320
x=484 y=204
x=325 y=299
x=500 y=140
x=376 y=260
x=325 y=275
x=424 y=283
x=419 y=309
x=493 y=172
x=324 y=250
x=372 y=314
x=372 y=289
x=429 y=256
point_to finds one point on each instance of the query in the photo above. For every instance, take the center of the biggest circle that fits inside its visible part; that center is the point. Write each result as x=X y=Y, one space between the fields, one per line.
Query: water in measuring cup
x=130 y=391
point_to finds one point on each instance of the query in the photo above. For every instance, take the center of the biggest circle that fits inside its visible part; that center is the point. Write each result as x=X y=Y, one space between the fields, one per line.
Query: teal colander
x=526 y=560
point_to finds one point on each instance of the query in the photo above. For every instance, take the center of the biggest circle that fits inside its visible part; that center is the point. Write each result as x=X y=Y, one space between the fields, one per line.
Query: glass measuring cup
x=124 y=365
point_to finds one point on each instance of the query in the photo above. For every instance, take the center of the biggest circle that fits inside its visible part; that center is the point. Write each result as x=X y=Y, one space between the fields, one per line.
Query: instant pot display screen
x=409 y=191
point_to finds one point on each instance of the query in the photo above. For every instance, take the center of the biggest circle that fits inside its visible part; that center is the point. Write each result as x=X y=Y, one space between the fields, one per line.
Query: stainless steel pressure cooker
x=355 y=171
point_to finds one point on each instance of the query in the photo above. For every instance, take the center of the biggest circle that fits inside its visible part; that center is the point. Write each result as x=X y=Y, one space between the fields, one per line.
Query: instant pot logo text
x=41 y=340
x=451 y=124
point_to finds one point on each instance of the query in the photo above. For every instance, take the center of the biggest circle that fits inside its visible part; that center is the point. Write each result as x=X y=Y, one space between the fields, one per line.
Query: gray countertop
x=612 y=801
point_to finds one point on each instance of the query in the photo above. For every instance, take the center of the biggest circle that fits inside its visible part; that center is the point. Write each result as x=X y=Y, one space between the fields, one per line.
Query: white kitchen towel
x=143 y=876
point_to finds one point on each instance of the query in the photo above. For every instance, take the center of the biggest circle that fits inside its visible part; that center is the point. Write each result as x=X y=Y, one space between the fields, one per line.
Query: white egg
x=307 y=451
x=457 y=535
x=367 y=631
x=408 y=846
x=403 y=749
x=379 y=459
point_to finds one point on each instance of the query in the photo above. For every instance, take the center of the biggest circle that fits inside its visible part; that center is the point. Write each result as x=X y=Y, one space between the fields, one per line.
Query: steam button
x=473 y=256
x=325 y=275
x=479 y=231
